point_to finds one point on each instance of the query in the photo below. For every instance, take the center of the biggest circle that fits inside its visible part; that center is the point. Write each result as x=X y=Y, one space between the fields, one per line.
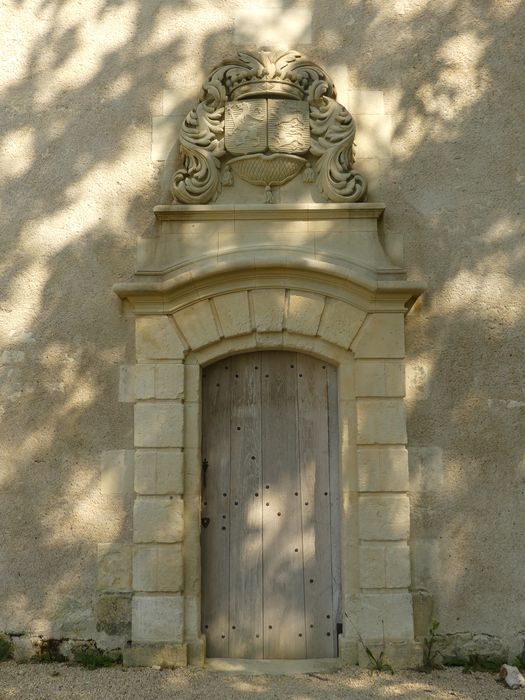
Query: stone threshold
x=273 y=667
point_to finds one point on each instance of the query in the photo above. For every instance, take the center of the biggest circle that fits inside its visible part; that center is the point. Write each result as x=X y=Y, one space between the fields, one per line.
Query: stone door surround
x=188 y=316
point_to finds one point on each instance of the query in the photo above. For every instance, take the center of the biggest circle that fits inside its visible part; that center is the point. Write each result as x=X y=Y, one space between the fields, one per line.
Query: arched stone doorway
x=183 y=326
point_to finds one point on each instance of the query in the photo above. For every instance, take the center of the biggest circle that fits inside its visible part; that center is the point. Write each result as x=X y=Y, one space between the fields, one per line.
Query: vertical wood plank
x=312 y=422
x=335 y=496
x=246 y=635
x=215 y=506
x=283 y=583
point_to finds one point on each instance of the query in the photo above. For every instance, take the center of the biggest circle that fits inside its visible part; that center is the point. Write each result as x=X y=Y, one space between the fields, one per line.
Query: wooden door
x=270 y=511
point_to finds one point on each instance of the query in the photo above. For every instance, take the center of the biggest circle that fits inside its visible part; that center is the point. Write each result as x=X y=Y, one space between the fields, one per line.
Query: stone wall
x=94 y=96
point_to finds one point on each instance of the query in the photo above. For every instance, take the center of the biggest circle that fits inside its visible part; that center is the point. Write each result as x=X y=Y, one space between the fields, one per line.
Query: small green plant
x=50 y=653
x=475 y=662
x=519 y=662
x=6 y=649
x=376 y=664
x=430 y=653
x=92 y=658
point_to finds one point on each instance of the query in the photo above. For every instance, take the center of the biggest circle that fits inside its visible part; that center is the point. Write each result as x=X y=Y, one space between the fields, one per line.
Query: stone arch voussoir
x=276 y=317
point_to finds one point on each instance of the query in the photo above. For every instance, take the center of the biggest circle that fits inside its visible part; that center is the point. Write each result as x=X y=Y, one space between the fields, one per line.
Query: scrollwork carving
x=286 y=76
x=332 y=133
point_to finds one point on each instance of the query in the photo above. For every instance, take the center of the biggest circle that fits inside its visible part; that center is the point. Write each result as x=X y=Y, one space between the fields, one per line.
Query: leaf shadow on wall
x=78 y=187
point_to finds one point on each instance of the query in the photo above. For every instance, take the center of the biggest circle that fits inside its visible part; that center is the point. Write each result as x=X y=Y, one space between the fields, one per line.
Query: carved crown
x=265 y=74
x=264 y=88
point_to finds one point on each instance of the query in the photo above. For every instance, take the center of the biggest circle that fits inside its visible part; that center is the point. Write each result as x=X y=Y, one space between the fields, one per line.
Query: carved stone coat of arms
x=266 y=117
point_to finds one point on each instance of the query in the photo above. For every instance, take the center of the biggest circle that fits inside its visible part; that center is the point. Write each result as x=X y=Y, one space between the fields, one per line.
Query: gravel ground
x=60 y=681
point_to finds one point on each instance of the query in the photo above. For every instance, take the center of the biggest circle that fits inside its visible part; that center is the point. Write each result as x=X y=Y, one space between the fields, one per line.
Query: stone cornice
x=151 y=295
x=310 y=211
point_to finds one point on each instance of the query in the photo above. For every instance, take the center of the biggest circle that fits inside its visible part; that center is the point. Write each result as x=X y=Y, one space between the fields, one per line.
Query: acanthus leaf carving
x=333 y=132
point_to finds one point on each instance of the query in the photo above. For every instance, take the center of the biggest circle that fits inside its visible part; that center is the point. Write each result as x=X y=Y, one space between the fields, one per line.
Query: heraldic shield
x=268 y=135
x=255 y=126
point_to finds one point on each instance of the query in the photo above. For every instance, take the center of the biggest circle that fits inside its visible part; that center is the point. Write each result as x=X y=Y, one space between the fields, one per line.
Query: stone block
x=384 y=517
x=397 y=565
x=459 y=647
x=158 y=619
x=304 y=313
x=314 y=346
x=197 y=651
x=158 y=568
x=382 y=469
x=193 y=464
x=24 y=649
x=381 y=336
x=113 y=614
x=156 y=338
x=163 y=655
x=229 y=346
x=192 y=617
x=149 y=381
x=372 y=572
x=197 y=324
x=192 y=383
x=399 y=654
x=116 y=477
x=347 y=420
x=114 y=567
x=192 y=561
x=346 y=378
x=158 y=519
x=348 y=652
x=136 y=382
x=273 y=26
x=340 y=322
x=192 y=429
x=266 y=341
x=373 y=136
x=365 y=102
x=169 y=381
x=381 y=422
x=159 y=424
x=159 y=472
x=233 y=311
x=268 y=308
x=378 y=378
x=386 y=615
x=164 y=131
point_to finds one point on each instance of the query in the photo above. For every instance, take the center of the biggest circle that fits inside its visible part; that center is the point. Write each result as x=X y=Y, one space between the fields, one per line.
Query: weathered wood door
x=270 y=540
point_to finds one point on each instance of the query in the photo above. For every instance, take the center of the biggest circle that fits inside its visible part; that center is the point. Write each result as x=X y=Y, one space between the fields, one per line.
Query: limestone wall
x=94 y=94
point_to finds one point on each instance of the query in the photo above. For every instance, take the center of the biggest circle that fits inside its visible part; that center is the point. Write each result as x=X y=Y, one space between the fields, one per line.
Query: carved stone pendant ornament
x=258 y=116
